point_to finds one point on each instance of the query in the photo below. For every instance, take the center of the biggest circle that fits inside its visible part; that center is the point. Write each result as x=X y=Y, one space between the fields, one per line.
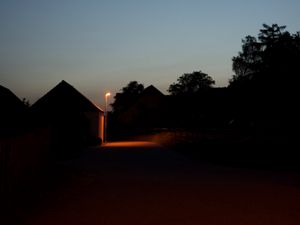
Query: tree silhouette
x=191 y=83
x=272 y=59
x=265 y=83
x=124 y=99
x=249 y=60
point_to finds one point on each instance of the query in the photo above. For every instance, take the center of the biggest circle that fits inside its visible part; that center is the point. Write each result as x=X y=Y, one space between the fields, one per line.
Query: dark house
x=146 y=112
x=208 y=109
x=72 y=118
x=12 y=113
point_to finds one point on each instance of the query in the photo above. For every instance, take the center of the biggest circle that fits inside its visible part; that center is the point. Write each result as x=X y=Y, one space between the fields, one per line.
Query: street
x=142 y=183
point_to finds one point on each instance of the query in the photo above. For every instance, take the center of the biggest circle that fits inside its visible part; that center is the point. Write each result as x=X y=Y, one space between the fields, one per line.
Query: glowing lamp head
x=107 y=94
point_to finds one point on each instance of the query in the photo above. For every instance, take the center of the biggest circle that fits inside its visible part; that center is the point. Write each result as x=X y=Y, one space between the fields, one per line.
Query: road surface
x=141 y=183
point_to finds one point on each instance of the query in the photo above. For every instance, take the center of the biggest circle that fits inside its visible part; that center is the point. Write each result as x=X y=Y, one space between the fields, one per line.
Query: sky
x=102 y=45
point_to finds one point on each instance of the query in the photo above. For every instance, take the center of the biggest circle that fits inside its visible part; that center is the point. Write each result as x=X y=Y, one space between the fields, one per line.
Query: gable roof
x=150 y=101
x=151 y=91
x=10 y=103
x=11 y=114
x=64 y=97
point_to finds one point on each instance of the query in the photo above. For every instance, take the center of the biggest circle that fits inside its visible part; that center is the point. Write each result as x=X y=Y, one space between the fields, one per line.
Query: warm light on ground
x=129 y=144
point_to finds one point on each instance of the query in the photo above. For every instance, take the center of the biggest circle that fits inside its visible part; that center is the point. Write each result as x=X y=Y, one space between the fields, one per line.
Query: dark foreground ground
x=139 y=183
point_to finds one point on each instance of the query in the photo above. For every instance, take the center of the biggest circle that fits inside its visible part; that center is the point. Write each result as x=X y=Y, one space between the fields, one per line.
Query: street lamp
x=105 y=117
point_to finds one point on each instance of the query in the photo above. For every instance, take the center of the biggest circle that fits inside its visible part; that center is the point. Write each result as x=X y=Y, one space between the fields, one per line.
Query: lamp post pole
x=105 y=118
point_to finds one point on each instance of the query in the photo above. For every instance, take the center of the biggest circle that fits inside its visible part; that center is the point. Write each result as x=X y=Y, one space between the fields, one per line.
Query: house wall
x=101 y=126
x=96 y=124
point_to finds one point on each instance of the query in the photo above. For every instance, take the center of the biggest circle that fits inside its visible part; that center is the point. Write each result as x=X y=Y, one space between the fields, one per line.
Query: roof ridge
x=60 y=86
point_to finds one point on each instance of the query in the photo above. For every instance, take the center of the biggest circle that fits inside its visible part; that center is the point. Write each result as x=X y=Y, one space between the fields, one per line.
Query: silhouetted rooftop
x=151 y=90
x=9 y=101
x=12 y=112
x=64 y=97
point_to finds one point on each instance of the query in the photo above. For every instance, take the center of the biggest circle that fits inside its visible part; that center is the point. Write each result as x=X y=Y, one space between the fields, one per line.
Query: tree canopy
x=191 y=83
x=127 y=96
x=272 y=58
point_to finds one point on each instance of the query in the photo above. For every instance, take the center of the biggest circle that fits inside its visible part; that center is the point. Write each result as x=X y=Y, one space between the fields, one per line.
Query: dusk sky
x=100 y=46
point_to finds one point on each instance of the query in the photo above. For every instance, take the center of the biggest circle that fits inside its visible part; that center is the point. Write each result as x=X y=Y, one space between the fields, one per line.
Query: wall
x=96 y=124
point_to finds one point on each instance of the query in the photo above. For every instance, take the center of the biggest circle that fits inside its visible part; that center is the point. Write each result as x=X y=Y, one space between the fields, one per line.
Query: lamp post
x=105 y=117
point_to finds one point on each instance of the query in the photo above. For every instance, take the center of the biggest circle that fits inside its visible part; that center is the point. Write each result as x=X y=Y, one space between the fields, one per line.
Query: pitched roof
x=151 y=90
x=11 y=114
x=64 y=97
x=9 y=101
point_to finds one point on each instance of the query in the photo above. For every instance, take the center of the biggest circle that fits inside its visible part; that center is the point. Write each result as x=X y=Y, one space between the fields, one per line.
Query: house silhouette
x=12 y=112
x=73 y=119
x=207 y=109
x=147 y=111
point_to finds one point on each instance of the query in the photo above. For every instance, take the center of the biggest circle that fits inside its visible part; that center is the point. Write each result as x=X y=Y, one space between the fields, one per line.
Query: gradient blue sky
x=102 y=45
